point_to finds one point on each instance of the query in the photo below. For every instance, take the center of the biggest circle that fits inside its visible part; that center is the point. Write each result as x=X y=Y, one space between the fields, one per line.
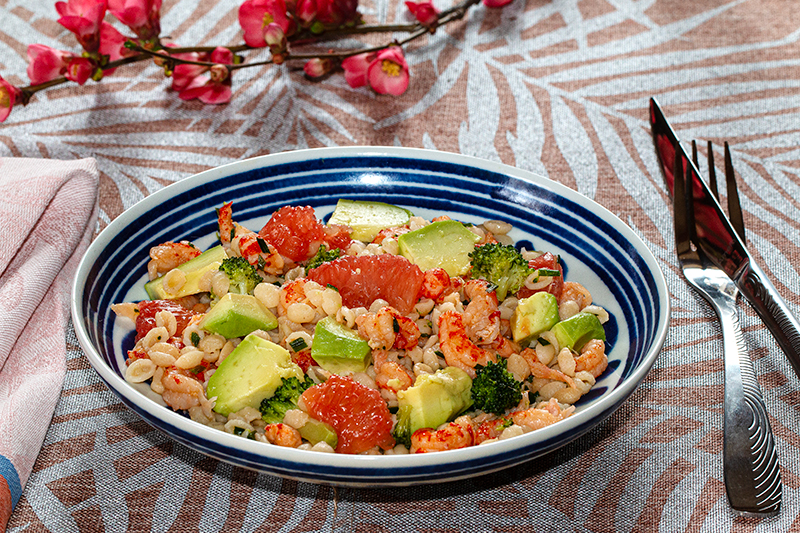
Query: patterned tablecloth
x=557 y=87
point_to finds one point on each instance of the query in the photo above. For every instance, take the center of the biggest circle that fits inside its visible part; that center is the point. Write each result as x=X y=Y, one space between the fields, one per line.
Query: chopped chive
x=298 y=344
x=439 y=353
x=263 y=245
x=195 y=338
x=548 y=272
x=332 y=287
x=233 y=233
x=196 y=370
x=261 y=263
x=543 y=341
x=395 y=325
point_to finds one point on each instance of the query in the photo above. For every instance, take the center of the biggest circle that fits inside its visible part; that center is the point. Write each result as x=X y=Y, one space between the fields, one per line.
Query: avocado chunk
x=577 y=330
x=534 y=315
x=445 y=244
x=237 y=315
x=251 y=372
x=315 y=431
x=339 y=349
x=368 y=218
x=194 y=269
x=433 y=400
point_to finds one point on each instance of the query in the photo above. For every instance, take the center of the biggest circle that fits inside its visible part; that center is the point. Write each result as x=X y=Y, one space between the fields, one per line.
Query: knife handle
x=750 y=465
x=764 y=298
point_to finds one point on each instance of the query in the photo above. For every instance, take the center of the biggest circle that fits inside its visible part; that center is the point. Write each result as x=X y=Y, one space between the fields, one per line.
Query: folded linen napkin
x=48 y=211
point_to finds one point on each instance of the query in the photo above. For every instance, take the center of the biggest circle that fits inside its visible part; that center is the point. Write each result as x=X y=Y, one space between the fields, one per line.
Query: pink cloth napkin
x=48 y=211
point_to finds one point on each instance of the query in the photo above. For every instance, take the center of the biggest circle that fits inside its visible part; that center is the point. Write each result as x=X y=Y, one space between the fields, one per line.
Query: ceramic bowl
x=596 y=248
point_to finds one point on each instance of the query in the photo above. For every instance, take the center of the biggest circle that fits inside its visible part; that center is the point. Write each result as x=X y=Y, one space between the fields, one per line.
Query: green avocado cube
x=444 y=244
x=252 y=371
x=315 y=431
x=339 y=349
x=434 y=399
x=577 y=330
x=237 y=315
x=367 y=219
x=194 y=269
x=534 y=315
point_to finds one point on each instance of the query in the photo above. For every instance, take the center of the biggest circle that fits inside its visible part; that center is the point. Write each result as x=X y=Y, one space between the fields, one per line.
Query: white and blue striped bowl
x=596 y=248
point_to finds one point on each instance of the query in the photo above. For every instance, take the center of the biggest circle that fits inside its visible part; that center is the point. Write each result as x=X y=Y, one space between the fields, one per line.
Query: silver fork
x=750 y=461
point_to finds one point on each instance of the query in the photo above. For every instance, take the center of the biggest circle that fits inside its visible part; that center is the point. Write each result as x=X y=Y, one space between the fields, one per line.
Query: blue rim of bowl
x=370 y=173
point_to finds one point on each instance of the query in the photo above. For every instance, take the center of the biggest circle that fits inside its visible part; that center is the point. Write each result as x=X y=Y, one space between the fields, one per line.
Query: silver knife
x=724 y=247
x=750 y=461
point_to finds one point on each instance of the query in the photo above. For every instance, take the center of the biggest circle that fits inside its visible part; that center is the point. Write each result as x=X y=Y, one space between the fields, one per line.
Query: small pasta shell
x=140 y=370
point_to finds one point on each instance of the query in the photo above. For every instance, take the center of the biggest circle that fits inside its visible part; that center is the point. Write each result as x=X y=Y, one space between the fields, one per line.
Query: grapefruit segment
x=362 y=280
x=297 y=234
x=357 y=413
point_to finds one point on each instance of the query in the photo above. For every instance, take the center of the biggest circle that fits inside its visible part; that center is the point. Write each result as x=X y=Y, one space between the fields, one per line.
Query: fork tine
x=683 y=213
x=712 y=172
x=734 y=206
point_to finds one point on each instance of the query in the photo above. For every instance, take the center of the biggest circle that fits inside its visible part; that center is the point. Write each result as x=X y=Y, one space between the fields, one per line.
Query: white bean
x=268 y=294
x=300 y=313
x=220 y=284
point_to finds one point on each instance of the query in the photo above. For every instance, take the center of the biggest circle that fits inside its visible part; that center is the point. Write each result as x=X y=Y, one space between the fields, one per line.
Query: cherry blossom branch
x=28 y=91
x=206 y=74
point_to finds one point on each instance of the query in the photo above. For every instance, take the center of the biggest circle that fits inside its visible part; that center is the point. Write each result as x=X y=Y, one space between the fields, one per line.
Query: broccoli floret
x=402 y=429
x=494 y=388
x=323 y=255
x=243 y=276
x=499 y=264
x=286 y=396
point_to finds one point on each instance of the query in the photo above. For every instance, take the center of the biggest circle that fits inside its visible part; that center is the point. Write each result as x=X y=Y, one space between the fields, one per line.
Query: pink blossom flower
x=112 y=43
x=142 y=16
x=9 y=95
x=388 y=73
x=45 y=63
x=256 y=15
x=496 y=3
x=183 y=75
x=83 y=18
x=425 y=12
x=210 y=85
x=317 y=67
x=80 y=69
x=337 y=12
x=355 y=68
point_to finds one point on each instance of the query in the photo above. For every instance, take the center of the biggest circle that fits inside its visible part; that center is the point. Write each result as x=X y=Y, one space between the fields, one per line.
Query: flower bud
x=317 y=67
x=275 y=38
x=425 y=13
x=306 y=11
x=218 y=73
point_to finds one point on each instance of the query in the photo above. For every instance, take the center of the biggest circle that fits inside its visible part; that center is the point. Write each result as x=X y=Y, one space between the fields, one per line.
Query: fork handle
x=752 y=474
x=765 y=299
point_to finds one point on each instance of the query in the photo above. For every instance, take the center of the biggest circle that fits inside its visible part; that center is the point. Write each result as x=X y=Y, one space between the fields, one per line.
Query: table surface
x=557 y=87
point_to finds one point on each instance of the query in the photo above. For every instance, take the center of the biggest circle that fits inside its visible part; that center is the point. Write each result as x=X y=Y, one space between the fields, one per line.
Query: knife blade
x=722 y=245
